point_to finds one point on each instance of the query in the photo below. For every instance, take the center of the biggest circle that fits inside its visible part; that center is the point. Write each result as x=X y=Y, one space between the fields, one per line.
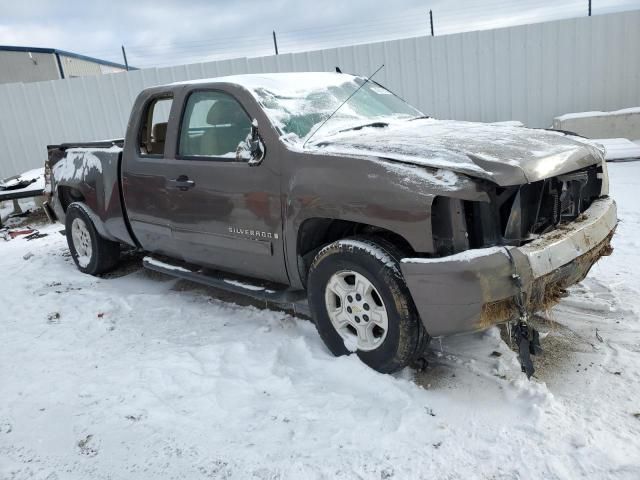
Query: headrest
x=159 y=132
x=225 y=111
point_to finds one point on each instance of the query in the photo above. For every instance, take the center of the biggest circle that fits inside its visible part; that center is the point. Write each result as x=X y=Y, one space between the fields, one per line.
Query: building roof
x=11 y=48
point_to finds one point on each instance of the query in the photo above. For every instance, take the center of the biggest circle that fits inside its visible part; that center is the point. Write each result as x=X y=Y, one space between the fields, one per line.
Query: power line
x=395 y=21
x=401 y=26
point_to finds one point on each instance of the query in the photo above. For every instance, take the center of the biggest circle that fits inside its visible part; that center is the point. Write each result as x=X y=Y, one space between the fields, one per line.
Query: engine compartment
x=514 y=215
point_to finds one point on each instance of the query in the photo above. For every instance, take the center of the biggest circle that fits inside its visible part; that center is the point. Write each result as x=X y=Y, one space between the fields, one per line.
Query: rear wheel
x=360 y=303
x=91 y=253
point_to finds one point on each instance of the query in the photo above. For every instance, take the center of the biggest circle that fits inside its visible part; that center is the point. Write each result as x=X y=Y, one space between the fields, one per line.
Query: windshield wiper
x=360 y=127
x=340 y=106
x=419 y=117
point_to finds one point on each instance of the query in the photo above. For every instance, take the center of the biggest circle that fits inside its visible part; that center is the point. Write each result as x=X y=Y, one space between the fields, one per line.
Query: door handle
x=182 y=183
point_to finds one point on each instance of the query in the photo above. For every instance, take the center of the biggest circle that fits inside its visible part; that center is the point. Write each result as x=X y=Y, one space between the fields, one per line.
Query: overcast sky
x=168 y=32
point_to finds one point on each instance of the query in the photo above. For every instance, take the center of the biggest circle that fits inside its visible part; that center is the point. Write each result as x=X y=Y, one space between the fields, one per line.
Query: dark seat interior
x=158 y=137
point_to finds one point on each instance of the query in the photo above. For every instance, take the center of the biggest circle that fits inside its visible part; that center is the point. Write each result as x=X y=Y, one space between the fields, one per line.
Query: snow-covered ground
x=140 y=376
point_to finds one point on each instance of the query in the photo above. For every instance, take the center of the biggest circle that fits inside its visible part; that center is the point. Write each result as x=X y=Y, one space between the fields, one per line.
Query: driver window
x=214 y=125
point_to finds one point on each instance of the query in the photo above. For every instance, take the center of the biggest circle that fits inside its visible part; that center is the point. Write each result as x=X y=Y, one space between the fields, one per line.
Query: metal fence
x=529 y=73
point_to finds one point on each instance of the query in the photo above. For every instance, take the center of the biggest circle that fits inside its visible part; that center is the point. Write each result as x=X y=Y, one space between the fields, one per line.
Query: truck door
x=223 y=212
x=144 y=174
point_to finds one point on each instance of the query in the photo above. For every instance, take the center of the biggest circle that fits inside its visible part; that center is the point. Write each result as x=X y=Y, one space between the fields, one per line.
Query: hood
x=506 y=155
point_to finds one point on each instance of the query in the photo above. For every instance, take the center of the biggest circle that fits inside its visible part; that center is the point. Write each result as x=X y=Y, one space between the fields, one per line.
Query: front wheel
x=360 y=303
x=91 y=253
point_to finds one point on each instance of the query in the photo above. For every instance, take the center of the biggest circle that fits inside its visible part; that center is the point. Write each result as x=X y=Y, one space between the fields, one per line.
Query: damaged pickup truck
x=388 y=227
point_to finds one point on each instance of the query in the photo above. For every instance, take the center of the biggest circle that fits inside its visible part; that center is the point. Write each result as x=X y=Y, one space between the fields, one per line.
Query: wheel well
x=68 y=195
x=315 y=233
x=448 y=225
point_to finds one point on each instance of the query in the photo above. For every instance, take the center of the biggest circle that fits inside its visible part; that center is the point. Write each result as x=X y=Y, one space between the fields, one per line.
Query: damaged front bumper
x=475 y=289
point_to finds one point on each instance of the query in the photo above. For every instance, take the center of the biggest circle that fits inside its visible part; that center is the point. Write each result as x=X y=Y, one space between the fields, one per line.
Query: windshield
x=297 y=112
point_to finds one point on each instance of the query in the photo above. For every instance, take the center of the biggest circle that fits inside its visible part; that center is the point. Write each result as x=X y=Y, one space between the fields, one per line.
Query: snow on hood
x=506 y=155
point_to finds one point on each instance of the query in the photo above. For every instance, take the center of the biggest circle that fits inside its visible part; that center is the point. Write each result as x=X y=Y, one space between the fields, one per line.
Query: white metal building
x=531 y=73
x=31 y=64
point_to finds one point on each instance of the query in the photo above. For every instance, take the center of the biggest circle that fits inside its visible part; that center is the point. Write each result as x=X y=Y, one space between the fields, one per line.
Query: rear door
x=145 y=173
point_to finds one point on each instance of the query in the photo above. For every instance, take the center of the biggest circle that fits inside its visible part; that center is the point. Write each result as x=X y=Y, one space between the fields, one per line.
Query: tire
x=362 y=264
x=91 y=253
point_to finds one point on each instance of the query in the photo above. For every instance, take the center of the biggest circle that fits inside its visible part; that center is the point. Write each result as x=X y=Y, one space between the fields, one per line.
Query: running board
x=249 y=287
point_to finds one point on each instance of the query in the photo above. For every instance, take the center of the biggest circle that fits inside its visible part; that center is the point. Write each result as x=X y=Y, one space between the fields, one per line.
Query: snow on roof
x=569 y=116
x=619 y=148
x=291 y=81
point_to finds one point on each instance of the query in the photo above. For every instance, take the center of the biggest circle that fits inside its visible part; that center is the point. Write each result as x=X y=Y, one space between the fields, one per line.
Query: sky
x=170 y=32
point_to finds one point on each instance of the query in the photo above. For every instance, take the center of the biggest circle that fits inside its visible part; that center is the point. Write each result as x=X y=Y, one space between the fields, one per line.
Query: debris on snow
x=598 y=336
x=86 y=446
x=31 y=180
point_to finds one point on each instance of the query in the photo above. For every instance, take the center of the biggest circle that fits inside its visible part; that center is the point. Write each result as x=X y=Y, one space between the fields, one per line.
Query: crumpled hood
x=506 y=155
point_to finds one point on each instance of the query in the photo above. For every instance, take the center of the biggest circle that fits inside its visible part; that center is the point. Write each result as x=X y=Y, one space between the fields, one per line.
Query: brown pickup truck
x=386 y=226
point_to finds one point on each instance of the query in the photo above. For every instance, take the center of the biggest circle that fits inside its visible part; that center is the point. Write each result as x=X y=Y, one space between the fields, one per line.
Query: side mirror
x=256 y=147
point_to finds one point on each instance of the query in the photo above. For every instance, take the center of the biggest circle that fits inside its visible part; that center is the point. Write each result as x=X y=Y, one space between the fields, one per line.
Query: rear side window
x=153 y=131
x=214 y=124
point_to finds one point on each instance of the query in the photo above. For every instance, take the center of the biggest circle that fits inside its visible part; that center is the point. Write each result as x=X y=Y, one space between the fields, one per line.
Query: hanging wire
x=483 y=15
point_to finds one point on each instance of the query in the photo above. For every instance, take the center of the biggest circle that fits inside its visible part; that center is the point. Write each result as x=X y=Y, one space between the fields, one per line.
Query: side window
x=214 y=125
x=153 y=131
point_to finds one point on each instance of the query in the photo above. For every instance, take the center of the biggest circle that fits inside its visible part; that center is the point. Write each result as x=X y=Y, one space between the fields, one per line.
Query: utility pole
x=124 y=55
x=275 y=42
x=431 y=19
x=589 y=7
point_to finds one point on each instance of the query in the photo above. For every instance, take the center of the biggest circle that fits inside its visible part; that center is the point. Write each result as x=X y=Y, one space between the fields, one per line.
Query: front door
x=224 y=212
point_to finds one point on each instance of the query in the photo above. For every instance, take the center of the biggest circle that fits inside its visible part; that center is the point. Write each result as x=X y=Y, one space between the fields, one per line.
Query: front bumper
x=475 y=289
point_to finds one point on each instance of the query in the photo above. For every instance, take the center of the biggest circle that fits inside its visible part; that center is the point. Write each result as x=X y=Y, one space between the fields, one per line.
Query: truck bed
x=89 y=172
x=119 y=142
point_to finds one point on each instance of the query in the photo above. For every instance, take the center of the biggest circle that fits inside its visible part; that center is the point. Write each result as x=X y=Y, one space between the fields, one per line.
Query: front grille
x=520 y=214
x=540 y=207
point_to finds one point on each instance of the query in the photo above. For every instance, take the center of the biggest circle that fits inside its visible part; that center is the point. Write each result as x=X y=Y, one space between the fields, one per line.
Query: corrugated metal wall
x=529 y=73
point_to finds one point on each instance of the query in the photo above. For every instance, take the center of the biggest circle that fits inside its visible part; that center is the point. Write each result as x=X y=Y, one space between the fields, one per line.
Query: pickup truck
x=328 y=192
